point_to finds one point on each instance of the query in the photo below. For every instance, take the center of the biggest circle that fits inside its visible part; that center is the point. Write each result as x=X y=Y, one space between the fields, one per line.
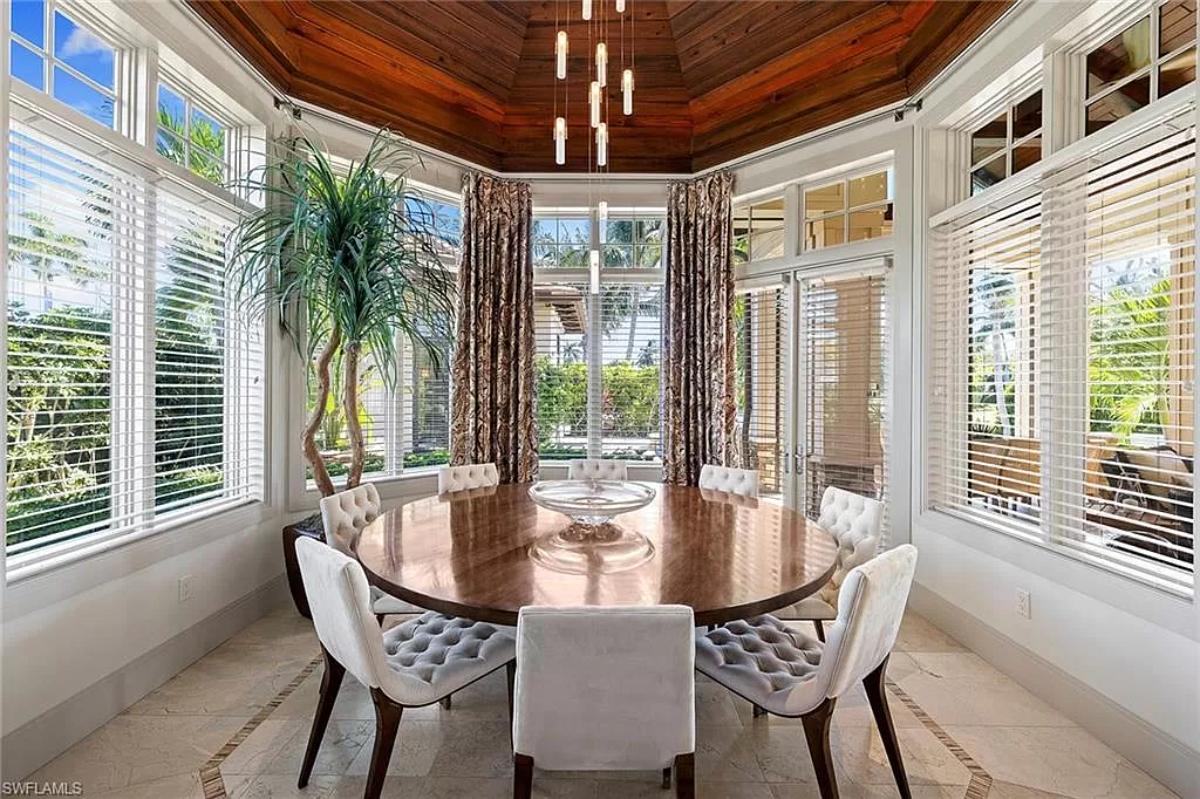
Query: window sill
x=238 y=513
x=1168 y=606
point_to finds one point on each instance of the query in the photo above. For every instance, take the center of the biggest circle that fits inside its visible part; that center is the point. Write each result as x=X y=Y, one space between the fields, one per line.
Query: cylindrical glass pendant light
x=560 y=55
x=627 y=92
x=602 y=64
x=587 y=9
x=602 y=220
x=602 y=144
x=594 y=102
x=594 y=269
x=620 y=6
x=560 y=140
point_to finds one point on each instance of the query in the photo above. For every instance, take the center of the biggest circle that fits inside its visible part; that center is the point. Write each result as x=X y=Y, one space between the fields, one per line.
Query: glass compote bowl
x=592 y=542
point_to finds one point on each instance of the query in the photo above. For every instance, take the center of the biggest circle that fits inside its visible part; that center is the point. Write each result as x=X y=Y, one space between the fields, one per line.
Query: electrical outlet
x=1024 y=606
x=185 y=588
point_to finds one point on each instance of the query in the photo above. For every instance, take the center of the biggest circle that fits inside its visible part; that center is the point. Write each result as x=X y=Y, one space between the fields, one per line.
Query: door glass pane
x=1119 y=57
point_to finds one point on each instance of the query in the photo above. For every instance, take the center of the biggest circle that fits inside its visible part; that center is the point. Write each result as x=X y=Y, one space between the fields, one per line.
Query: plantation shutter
x=761 y=329
x=1123 y=470
x=560 y=325
x=73 y=218
x=984 y=452
x=208 y=367
x=845 y=383
x=630 y=357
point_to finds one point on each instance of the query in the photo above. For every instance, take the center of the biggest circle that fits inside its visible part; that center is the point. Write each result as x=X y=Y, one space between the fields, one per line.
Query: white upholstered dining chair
x=466 y=477
x=787 y=673
x=605 y=688
x=344 y=515
x=413 y=664
x=856 y=523
x=742 y=482
x=597 y=469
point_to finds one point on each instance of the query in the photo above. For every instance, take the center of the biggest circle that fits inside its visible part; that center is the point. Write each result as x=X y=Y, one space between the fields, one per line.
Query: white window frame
x=847 y=209
x=136 y=69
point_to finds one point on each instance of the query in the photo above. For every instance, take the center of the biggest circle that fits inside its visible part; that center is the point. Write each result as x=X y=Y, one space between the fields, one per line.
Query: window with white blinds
x=844 y=368
x=560 y=325
x=132 y=392
x=760 y=383
x=1063 y=359
x=631 y=355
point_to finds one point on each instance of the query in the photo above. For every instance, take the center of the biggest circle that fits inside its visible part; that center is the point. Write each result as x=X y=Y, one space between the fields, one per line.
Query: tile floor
x=942 y=693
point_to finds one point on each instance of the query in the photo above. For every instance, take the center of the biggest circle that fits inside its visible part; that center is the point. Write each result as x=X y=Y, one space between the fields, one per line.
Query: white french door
x=840 y=384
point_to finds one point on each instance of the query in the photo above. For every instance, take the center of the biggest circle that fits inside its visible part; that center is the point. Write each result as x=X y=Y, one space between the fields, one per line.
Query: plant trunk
x=358 y=449
x=309 y=438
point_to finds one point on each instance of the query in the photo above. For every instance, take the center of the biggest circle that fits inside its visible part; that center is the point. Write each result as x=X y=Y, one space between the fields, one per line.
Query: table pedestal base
x=587 y=549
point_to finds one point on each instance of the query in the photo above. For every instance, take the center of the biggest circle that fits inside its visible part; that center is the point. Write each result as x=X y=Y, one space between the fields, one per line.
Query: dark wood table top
x=468 y=555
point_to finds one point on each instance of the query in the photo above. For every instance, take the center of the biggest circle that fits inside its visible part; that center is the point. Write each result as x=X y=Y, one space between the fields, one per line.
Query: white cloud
x=83 y=42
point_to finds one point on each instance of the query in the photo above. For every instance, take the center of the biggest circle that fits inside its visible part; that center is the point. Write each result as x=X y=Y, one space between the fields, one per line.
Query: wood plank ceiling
x=715 y=80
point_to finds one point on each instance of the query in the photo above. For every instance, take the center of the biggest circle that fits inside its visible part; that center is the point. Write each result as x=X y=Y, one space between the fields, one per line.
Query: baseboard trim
x=44 y=738
x=1162 y=755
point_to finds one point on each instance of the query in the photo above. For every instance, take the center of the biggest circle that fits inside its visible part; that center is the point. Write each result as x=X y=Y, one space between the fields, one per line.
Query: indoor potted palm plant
x=346 y=259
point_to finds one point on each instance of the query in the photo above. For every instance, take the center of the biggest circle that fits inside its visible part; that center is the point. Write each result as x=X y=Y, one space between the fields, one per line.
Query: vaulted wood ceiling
x=715 y=80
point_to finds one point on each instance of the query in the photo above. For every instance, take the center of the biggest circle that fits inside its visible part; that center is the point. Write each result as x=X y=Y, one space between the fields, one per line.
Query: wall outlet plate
x=1024 y=604
x=185 y=588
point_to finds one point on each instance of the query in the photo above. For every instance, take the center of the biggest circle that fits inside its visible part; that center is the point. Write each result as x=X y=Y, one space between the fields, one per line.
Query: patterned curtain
x=698 y=400
x=491 y=413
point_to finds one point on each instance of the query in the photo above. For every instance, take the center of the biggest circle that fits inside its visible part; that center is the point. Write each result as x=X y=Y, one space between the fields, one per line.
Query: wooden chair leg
x=445 y=702
x=876 y=695
x=522 y=776
x=380 y=618
x=820 y=630
x=387 y=724
x=816 y=731
x=758 y=711
x=331 y=681
x=685 y=776
x=510 y=674
x=666 y=780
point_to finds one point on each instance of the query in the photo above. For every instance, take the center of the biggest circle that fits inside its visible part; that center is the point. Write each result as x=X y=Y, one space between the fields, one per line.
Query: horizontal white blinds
x=560 y=325
x=630 y=357
x=845 y=379
x=425 y=405
x=761 y=329
x=1063 y=357
x=133 y=391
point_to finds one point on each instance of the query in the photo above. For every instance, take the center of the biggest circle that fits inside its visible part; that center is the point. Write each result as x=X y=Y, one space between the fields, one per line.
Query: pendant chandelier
x=595 y=77
x=593 y=12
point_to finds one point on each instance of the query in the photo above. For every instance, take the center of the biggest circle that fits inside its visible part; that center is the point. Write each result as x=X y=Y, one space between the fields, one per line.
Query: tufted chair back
x=597 y=469
x=470 y=475
x=340 y=600
x=870 y=609
x=743 y=482
x=855 y=522
x=346 y=513
x=605 y=688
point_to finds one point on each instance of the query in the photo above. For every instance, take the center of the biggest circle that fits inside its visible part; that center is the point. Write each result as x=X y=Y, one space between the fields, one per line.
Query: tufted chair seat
x=467 y=476
x=784 y=672
x=761 y=660
x=433 y=655
x=344 y=515
x=597 y=469
x=416 y=663
x=742 y=482
x=855 y=522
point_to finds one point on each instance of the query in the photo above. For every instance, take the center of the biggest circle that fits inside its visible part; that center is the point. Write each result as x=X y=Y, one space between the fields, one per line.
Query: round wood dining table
x=469 y=554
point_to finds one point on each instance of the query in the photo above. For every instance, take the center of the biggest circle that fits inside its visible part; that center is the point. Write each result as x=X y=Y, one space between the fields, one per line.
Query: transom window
x=1149 y=59
x=56 y=54
x=190 y=136
x=562 y=241
x=1008 y=143
x=758 y=230
x=852 y=209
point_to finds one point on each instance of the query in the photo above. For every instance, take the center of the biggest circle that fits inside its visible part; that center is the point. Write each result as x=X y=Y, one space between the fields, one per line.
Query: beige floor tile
x=917 y=634
x=340 y=747
x=417 y=746
x=1063 y=760
x=859 y=752
x=851 y=790
x=179 y=786
x=962 y=688
x=726 y=754
x=277 y=786
x=132 y=751
x=1007 y=790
